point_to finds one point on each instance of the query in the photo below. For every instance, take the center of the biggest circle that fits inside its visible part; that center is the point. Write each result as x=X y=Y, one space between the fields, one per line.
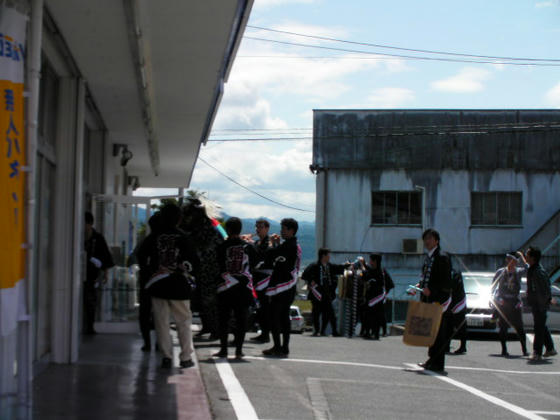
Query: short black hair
x=155 y=221
x=290 y=223
x=89 y=218
x=377 y=258
x=322 y=252
x=233 y=226
x=431 y=232
x=535 y=253
x=170 y=215
x=262 y=221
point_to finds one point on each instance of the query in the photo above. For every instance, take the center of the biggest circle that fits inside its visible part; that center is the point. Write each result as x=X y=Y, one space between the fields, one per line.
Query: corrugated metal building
x=487 y=180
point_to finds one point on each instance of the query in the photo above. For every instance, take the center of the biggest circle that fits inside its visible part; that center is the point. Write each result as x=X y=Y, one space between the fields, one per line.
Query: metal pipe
x=33 y=76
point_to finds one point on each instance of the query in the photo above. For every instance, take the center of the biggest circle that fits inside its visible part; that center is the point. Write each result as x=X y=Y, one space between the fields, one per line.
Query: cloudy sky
x=273 y=87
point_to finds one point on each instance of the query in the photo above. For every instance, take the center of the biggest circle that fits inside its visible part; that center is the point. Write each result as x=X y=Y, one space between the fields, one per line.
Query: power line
x=262 y=129
x=264 y=139
x=324 y=38
x=252 y=191
x=408 y=57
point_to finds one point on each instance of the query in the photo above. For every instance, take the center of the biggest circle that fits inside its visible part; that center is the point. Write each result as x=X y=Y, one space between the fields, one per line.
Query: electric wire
x=408 y=57
x=324 y=38
x=252 y=191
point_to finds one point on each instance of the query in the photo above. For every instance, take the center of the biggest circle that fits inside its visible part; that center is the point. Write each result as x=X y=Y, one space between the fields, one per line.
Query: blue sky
x=279 y=94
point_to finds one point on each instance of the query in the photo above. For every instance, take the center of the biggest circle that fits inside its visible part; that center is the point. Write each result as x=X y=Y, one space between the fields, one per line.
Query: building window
x=396 y=208
x=496 y=208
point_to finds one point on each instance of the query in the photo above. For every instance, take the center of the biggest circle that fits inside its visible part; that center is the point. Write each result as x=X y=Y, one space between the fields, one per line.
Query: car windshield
x=477 y=285
x=294 y=312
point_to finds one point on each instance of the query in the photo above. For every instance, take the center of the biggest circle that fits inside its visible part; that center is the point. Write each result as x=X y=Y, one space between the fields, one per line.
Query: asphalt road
x=341 y=378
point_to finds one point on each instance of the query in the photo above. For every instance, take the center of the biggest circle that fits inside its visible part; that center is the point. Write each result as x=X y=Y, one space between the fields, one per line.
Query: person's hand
x=411 y=292
x=275 y=239
x=426 y=291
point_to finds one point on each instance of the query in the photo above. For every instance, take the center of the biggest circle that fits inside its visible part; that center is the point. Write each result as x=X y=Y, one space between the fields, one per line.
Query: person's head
x=533 y=255
x=261 y=227
x=155 y=222
x=511 y=259
x=170 y=215
x=288 y=228
x=375 y=260
x=324 y=255
x=89 y=222
x=233 y=226
x=430 y=238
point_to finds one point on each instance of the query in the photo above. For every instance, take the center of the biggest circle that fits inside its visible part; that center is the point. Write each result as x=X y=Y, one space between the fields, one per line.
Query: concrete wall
x=352 y=162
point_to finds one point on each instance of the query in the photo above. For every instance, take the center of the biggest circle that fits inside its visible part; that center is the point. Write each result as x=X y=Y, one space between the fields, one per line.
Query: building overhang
x=156 y=72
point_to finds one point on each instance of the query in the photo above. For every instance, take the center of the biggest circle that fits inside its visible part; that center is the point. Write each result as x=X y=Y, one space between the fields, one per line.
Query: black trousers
x=373 y=319
x=90 y=305
x=457 y=328
x=145 y=316
x=263 y=313
x=280 y=317
x=542 y=334
x=233 y=302
x=509 y=315
x=436 y=352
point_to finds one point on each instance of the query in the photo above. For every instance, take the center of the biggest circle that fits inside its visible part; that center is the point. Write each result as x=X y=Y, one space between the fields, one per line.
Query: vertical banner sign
x=12 y=159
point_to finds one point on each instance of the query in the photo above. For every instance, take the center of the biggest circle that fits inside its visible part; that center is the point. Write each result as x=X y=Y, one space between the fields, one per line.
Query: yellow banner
x=12 y=148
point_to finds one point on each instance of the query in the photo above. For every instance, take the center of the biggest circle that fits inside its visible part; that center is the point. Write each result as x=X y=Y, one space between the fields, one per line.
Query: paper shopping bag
x=422 y=323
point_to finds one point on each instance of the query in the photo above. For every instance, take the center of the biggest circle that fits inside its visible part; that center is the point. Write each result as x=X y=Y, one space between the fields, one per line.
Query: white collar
x=430 y=253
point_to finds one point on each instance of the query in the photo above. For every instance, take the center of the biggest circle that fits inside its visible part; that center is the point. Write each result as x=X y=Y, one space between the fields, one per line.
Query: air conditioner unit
x=412 y=246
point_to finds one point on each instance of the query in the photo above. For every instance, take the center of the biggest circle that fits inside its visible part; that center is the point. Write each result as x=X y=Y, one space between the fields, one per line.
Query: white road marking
x=318 y=400
x=530 y=337
x=335 y=362
x=326 y=362
x=547 y=413
x=243 y=408
x=494 y=400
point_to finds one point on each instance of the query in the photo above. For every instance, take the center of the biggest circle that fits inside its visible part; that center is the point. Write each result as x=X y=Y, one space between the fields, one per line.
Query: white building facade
x=487 y=180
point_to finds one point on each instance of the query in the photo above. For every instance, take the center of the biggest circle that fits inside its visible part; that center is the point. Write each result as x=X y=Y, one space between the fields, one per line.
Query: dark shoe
x=186 y=364
x=505 y=353
x=315 y=334
x=221 y=354
x=550 y=353
x=535 y=358
x=335 y=334
x=460 y=350
x=273 y=351
x=239 y=355
x=166 y=363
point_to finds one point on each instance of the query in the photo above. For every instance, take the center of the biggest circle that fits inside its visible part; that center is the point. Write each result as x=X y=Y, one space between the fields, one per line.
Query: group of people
x=441 y=284
x=184 y=259
x=222 y=281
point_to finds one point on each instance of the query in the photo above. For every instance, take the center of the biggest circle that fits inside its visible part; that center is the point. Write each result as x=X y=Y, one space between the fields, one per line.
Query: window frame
x=395 y=213
x=484 y=223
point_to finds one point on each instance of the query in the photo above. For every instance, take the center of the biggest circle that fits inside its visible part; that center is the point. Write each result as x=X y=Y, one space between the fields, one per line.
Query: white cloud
x=390 y=97
x=468 y=80
x=552 y=97
x=548 y=3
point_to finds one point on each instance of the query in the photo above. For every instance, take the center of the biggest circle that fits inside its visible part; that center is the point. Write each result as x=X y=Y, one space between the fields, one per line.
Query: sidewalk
x=115 y=379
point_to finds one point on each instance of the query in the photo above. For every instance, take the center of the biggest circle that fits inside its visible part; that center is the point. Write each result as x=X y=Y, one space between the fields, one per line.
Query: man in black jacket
x=99 y=260
x=285 y=261
x=172 y=263
x=538 y=298
x=321 y=282
x=235 y=289
x=436 y=287
x=261 y=277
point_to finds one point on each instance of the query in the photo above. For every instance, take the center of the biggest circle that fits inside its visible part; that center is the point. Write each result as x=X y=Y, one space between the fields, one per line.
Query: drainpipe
x=423 y=189
x=325 y=207
x=33 y=75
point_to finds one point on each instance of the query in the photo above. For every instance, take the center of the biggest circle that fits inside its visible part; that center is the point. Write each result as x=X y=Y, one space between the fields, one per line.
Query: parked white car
x=478 y=287
x=296 y=319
